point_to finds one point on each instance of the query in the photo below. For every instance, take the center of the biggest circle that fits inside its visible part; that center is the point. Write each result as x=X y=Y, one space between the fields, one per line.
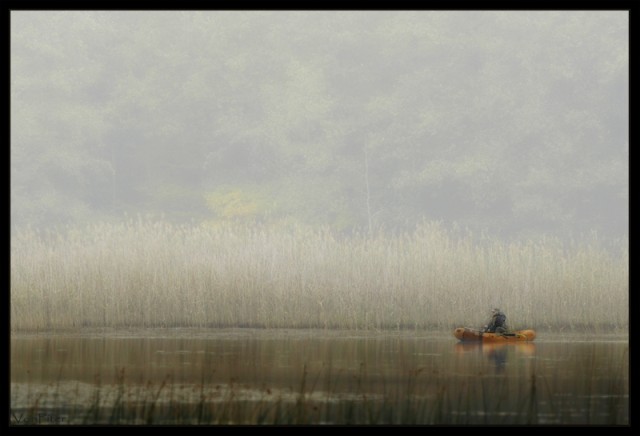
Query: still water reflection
x=554 y=380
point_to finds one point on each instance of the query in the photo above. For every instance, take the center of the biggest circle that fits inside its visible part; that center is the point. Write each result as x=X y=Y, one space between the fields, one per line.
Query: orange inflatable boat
x=474 y=335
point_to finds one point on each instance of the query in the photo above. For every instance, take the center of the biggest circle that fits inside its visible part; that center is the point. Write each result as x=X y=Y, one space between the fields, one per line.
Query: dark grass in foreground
x=418 y=397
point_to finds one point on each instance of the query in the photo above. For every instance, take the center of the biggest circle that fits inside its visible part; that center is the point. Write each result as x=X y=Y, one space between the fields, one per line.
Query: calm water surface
x=405 y=377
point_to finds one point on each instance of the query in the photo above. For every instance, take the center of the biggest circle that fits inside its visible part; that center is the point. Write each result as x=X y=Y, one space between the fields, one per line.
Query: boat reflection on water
x=498 y=353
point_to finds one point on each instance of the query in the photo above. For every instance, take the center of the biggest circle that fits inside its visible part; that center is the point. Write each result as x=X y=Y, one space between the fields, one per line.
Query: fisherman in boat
x=498 y=322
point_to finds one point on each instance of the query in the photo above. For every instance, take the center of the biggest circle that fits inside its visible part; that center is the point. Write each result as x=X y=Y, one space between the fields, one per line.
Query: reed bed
x=143 y=273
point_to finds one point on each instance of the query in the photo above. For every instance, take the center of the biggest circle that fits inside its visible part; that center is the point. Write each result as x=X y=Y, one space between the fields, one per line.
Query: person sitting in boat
x=498 y=322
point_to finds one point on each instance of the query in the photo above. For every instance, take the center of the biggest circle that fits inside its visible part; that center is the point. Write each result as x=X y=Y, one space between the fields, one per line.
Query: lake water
x=245 y=376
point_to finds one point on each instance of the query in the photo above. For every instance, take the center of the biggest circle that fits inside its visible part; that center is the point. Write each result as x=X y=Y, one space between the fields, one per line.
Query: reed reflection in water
x=187 y=376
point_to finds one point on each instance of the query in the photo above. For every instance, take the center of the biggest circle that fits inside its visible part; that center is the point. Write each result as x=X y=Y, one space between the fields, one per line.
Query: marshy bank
x=140 y=323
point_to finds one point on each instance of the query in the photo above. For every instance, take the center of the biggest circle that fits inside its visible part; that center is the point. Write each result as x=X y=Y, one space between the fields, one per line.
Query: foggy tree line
x=511 y=122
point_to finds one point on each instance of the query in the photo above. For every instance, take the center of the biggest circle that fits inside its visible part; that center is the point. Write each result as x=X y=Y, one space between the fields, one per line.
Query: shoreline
x=238 y=333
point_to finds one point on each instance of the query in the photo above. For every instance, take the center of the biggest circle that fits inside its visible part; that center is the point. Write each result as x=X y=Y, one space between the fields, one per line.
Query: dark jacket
x=497 y=320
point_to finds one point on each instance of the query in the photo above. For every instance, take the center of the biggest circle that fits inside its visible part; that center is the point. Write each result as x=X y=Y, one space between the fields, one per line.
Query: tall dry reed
x=145 y=274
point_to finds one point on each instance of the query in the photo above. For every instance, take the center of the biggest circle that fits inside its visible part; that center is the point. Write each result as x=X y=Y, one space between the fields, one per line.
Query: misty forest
x=327 y=171
x=513 y=123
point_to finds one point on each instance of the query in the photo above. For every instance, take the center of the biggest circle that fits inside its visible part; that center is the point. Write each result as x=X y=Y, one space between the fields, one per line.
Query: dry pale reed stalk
x=147 y=274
